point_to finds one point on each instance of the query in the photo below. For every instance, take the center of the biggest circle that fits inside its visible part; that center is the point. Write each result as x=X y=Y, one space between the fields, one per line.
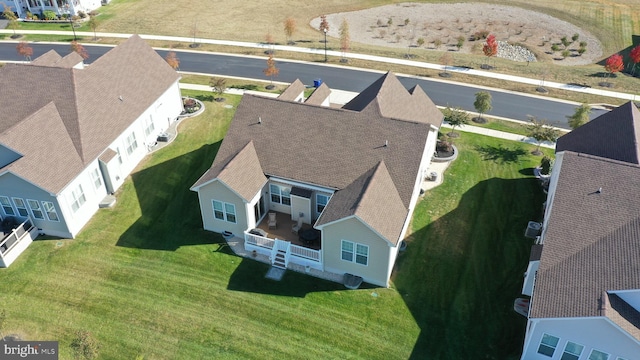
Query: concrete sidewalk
x=319 y=51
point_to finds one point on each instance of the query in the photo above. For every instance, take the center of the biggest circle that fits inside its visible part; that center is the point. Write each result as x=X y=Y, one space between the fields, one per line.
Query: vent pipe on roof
x=386 y=143
x=259 y=120
x=599 y=190
x=120 y=98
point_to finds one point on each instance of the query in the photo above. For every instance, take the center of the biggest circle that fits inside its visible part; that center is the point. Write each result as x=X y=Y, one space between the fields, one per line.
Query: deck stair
x=280 y=254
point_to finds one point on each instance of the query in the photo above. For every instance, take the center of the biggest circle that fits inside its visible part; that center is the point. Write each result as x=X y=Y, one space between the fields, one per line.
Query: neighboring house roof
x=373 y=198
x=292 y=91
x=319 y=95
x=591 y=237
x=614 y=135
x=53 y=59
x=86 y=102
x=370 y=160
x=392 y=100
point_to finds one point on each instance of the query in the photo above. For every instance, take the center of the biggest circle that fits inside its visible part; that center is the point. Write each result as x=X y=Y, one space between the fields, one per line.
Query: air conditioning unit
x=533 y=229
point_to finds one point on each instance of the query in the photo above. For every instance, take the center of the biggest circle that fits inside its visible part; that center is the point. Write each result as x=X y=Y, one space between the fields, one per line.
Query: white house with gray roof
x=350 y=175
x=60 y=7
x=70 y=134
x=585 y=302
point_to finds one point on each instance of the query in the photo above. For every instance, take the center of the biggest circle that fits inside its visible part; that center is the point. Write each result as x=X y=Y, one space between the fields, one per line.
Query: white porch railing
x=296 y=254
x=14 y=243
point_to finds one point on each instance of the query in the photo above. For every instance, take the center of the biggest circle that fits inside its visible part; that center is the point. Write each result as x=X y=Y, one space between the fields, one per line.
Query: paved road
x=505 y=104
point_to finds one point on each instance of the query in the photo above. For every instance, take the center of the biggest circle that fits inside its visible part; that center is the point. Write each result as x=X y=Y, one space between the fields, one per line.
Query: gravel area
x=441 y=25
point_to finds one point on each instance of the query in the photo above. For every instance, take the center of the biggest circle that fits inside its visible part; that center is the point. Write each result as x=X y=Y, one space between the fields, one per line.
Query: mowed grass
x=145 y=279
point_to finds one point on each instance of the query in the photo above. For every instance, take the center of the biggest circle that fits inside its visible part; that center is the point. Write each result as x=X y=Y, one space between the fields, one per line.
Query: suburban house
x=70 y=134
x=584 y=273
x=60 y=7
x=336 y=185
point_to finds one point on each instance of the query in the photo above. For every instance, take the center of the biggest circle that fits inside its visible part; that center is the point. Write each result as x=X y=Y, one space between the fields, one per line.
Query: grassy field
x=146 y=280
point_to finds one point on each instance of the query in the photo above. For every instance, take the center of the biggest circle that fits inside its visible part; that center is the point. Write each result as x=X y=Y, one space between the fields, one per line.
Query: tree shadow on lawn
x=500 y=153
x=249 y=276
x=461 y=273
x=170 y=211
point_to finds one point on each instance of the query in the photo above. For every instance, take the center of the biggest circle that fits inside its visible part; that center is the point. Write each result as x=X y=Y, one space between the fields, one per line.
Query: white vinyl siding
x=224 y=211
x=132 y=143
x=78 y=198
x=50 y=210
x=354 y=252
x=36 y=209
x=548 y=345
x=149 y=126
x=280 y=194
x=6 y=206
x=21 y=207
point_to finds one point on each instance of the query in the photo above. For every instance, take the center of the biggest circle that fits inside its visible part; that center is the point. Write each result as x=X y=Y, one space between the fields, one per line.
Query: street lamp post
x=325 y=45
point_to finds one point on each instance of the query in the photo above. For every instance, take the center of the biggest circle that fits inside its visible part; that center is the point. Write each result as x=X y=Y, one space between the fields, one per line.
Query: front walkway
x=237 y=245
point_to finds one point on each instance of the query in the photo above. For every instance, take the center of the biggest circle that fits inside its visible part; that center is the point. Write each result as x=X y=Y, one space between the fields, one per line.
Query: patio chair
x=272 y=221
x=296 y=227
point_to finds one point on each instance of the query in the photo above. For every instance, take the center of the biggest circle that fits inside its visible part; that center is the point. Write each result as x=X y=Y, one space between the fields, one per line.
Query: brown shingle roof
x=292 y=91
x=243 y=173
x=613 y=135
x=324 y=146
x=622 y=314
x=319 y=95
x=373 y=198
x=86 y=101
x=392 y=100
x=591 y=240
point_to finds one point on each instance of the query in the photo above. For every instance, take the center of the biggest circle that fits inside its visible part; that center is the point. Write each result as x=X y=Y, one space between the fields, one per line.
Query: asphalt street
x=505 y=104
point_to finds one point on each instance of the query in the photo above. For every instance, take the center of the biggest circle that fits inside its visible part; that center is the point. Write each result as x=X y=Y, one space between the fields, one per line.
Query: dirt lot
x=440 y=26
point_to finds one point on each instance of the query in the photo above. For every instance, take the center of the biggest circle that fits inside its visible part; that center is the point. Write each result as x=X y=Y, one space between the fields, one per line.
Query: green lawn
x=146 y=280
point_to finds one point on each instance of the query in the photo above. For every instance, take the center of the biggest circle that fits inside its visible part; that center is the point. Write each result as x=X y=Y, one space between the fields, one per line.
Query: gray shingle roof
x=613 y=135
x=86 y=102
x=591 y=243
x=243 y=173
x=319 y=95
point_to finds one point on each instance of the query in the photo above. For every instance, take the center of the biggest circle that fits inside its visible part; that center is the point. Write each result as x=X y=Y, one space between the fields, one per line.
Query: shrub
x=82 y=14
x=93 y=13
x=49 y=15
x=480 y=35
x=545 y=165
x=444 y=146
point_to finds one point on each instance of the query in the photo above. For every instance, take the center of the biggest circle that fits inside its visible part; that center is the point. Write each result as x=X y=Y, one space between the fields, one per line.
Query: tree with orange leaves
x=172 y=60
x=271 y=70
x=77 y=47
x=490 y=47
x=25 y=50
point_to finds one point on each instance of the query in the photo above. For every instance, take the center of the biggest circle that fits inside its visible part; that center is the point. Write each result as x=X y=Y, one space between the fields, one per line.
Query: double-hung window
x=548 y=345
x=598 y=355
x=35 y=208
x=132 y=143
x=6 y=206
x=78 y=198
x=21 y=207
x=149 y=126
x=280 y=194
x=50 y=210
x=95 y=177
x=354 y=252
x=321 y=202
x=224 y=211
x=572 y=351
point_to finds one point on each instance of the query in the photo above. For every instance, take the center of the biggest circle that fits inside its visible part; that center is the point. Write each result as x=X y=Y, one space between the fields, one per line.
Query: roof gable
x=622 y=314
x=293 y=91
x=319 y=95
x=389 y=97
x=243 y=173
x=614 y=135
x=374 y=199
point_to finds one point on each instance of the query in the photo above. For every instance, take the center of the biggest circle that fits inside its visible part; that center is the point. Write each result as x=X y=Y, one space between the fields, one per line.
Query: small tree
x=406 y=21
x=455 y=117
x=289 y=29
x=271 y=70
x=490 y=47
x=24 y=50
x=460 y=42
x=345 y=38
x=218 y=85
x=93 y=24
x=565 y=42
x=84 y=346
x=565 y=53
x=268 y=39
x=11 y=17
x=555 y=48
x=324 y=24
x=575 y=37
x=420 y=41
x=172 y=60
x=635 y=57
x=580 y=116
x=77 y=47
x=545 y=165
x=540 y=132
x=614 y=64
x=581 y=51
x=437 y=43
x=482 y=104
